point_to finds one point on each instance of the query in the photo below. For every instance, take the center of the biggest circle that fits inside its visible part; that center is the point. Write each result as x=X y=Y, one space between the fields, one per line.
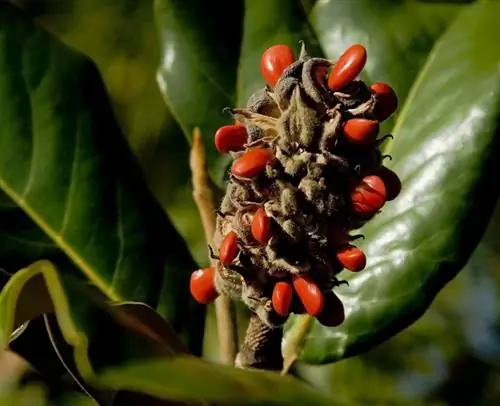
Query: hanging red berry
x=252 y=162
x=348 y=67
x=333 y=313
x=369 y=196
x=391 y=181
x=386 y=101
x=230 y=138
x=274 y=61
x=309 y=293
x=261 y=226
x=282 y=298
x=361 y=131
x=228 y=249
x=352 y=258
x=202 y=285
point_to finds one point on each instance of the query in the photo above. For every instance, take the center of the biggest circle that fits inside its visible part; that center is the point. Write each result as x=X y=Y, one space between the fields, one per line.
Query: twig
x=294 y=342
x=262 y=346
x=204 y=199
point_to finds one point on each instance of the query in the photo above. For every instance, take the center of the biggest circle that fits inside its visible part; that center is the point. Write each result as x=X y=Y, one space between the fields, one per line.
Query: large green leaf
x=127 y=54
x=93 y=328
x=101 y=334
x=445 y=150
x=72 y=191
x=185 y=378
x=198 y=68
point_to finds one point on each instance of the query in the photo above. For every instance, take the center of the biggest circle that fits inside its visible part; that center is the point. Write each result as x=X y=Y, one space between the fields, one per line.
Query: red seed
x=361 y=130
x=309 y=293
x=333 y=313
x=348 y=67
x=230 y=138
x=274 y=61
x=391 y=181
x=369 y=196
x=261 y=226
x=386 y=101
x=252 y=162
x=228 y=249
x=282 y=298
x=352 y=258
x=202 y=285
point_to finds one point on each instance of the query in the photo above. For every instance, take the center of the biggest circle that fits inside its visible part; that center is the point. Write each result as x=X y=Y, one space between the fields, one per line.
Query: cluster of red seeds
x=307 y=169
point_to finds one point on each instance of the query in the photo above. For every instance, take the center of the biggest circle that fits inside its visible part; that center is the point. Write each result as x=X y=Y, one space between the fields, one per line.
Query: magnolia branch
x=204 y=199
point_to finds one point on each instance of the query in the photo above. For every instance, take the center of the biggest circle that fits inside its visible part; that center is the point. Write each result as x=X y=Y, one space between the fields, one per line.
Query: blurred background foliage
x=450 y=356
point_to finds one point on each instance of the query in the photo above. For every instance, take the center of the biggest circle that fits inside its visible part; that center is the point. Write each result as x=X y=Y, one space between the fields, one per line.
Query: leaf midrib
x=81 y=263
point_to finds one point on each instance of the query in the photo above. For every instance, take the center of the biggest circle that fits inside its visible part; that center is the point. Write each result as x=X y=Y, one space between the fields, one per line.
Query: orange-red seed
x=202 y=285
x=252 y=162
x=352 y=258
x=361 y=130
x=309 y=293
x=369 y=196
x=228 y=249
x=282 y=298
x=386 y=101
x=348 y=67
x=230 y=138
x=274 y=61
x=261 y=226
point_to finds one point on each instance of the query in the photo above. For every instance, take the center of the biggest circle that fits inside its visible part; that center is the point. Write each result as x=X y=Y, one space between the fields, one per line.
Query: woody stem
x=204 y=199
x=262 y=346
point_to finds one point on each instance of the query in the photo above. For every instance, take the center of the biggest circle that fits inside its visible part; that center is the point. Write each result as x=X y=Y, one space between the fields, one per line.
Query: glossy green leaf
x=185 y=378
x=124 y=45
x=197 y=73
x=79 y=312
x=398 y=35
x=102 y=334
x=119 y=331
x=72 y=192
x=127 y=55
x=36 y=395
x=445 y=151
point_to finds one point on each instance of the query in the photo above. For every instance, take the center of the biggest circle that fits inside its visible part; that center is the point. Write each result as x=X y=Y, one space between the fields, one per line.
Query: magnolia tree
x=342 y=171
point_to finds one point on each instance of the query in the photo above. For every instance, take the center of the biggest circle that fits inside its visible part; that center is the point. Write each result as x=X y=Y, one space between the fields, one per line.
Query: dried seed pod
x=282 y=298
x=361 y=130
x=229 y=249
x=261 y=226
x=311 y=162
x=386 y=101
x=274 y=61
x=369 y=196
x=230 y=138
x=202 y=285
x=252 y=162
x=352 y=258
x=309 y=293
x=347 y=68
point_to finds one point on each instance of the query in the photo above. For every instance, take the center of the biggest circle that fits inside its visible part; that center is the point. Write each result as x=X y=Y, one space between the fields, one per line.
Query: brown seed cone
x=305 y=188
